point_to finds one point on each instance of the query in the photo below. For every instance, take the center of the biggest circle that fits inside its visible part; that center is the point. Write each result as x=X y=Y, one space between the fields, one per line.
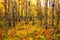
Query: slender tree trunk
x=58 y=18
x=27 y=4
x=53 y=4
x=0 y=16
x=9 y=13
x=14 y=14
x=19 y=11
x=46 y=12
x=5 y=4
x=39 y=12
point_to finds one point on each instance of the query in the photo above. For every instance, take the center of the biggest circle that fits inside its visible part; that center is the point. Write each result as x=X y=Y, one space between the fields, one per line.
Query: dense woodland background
x=29 y=19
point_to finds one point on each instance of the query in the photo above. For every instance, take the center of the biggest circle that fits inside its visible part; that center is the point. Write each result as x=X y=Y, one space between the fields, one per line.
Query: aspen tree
x=19 y=11
x=39 y=12
x=9 y=13
x=6 y=12
x=58 y=18
x=46 y=11
x=58 y=12
x=53 y=5
x=27 y=12
x=13 y=13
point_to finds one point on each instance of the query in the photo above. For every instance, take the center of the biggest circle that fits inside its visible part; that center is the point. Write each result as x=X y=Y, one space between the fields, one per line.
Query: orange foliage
x=48 y=33
x=11 y=38
x=11 y=32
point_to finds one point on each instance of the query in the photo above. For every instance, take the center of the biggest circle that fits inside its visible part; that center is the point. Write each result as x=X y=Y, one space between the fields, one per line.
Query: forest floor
x=24 y=31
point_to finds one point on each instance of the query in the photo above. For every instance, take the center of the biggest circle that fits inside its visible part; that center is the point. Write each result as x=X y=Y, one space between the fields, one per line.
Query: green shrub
x=2 y=24
x=6 y=37
x=33 y=22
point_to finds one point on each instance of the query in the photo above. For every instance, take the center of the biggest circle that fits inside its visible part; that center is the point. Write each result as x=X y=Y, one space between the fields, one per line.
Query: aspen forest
x=29 y=19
